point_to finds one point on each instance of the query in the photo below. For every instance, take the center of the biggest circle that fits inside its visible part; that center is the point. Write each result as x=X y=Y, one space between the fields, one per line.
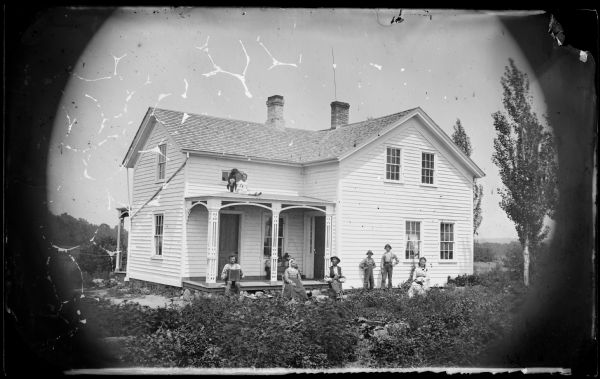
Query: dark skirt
x=297 y=291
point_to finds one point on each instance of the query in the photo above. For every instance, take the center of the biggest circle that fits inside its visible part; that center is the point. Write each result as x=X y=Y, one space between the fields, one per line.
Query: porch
x=262 y=231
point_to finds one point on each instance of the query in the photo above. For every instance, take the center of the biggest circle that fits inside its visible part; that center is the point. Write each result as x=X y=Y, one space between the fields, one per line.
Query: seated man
x=232 y=273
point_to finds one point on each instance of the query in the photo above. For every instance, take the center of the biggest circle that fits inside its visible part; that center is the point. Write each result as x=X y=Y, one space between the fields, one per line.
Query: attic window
x=162 y=162
x=392 y=165
x=427 y=168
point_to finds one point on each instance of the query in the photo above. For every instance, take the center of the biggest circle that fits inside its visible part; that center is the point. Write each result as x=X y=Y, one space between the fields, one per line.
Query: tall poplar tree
x=462 y=140
x=525 y=154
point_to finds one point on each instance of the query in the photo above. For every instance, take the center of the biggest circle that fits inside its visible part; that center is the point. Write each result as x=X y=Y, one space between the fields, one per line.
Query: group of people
x=419 y=280
x=237 y=182
x=292 y=279
x=294 y=289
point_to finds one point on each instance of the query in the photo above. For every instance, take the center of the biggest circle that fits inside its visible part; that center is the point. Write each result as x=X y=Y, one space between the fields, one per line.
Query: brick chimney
x=275 y=111
x=339 y=114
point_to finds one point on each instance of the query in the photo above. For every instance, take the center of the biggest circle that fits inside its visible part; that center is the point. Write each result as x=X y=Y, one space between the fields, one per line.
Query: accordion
x=233 y=275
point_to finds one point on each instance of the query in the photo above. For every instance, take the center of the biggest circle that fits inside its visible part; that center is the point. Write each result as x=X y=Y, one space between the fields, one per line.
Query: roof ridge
x=287 y=128
x=208 y=116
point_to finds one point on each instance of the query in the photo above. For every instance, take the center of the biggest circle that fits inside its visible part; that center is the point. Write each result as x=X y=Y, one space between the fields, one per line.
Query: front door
x=229 y=234
x=319 y=247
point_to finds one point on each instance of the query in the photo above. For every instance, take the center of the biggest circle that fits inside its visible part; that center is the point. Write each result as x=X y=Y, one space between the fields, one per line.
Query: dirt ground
x=152 y=300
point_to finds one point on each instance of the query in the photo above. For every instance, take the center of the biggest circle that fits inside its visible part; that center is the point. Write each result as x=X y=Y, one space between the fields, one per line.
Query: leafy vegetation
x=450 y=326
x=462 y=140
x=525 y=153
x=93 y=242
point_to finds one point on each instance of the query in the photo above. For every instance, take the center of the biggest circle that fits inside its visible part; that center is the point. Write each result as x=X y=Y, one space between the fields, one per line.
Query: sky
x=226 y=62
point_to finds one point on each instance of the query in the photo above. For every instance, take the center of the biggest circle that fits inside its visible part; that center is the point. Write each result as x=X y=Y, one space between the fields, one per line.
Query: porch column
x=212 y=238
x=328 y=234
x=275 y=209
x=118 y=262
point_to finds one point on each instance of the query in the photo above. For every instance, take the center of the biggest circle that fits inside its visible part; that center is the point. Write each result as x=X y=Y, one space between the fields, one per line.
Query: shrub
x=446 y=327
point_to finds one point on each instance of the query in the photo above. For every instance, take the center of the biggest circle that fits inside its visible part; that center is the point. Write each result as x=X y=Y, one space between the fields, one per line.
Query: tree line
x=91 y=243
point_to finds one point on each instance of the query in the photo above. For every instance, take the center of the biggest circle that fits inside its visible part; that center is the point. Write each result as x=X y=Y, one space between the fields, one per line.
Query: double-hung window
x=446 y=241
x=268 y=237
x=158 y=233
x=427 y=168
x=413 y=240
x=393 y=168
x=162 y=162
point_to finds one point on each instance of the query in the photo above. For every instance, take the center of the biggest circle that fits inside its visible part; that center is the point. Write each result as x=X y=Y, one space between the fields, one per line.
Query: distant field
x=482 y=267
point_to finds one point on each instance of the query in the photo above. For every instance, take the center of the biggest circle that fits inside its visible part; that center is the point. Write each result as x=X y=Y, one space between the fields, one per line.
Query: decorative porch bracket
x=275 y=208
x=328 y=232
x=212 y=240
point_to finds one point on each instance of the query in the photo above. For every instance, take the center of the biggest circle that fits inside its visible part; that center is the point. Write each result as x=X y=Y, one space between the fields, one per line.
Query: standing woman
x=335 y=278
x=420 y=279
x=292 y=285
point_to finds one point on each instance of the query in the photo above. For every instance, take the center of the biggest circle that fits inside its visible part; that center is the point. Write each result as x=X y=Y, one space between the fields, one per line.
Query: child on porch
x=242 y=185
x=232 y=280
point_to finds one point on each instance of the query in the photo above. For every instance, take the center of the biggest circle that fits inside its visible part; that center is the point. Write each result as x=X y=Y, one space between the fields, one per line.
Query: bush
x=446 y=327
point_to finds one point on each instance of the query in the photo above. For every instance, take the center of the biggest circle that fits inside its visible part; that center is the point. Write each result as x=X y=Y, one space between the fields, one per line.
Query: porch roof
x=263 y=198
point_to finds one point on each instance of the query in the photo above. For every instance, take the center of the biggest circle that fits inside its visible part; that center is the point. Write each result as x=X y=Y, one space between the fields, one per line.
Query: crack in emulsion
x=217 y=69
x=116 y=63
x=277 y=62
x=184 y=94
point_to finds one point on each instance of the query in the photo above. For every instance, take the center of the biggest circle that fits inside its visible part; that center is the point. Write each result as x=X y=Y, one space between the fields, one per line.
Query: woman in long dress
x=335 y=278
x=292 y=283
x=420 y=279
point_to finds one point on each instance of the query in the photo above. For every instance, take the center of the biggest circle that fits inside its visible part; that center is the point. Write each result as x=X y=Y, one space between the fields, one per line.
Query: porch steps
x=249 y=285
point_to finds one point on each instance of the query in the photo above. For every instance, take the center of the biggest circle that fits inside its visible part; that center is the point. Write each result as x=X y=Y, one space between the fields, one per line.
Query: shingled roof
x=253 y=140
x=250 y=140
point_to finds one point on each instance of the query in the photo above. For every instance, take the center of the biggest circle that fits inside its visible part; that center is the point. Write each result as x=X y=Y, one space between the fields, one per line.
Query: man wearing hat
x=232 y=273
x=367 y=265
x=388 y=261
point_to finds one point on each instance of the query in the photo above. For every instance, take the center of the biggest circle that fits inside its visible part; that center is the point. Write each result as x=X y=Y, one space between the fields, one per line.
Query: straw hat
x=369 y=252
x=336 y=258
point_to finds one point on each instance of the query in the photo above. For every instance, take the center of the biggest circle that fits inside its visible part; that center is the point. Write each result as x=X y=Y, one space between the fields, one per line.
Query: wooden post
x=212 y=239
x=328 y=234
x=275 y=209
x=118 y=262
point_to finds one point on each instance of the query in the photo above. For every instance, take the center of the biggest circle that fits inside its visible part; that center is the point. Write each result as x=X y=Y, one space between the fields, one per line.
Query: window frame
x=160 y=157
x=154 y=235
x=420 y=240
x=401 y=164
x=452 y=242
x=434 y=169
x=267 y=216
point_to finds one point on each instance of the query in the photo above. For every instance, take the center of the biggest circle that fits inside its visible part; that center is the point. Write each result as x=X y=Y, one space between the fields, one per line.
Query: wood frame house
x=338 y=191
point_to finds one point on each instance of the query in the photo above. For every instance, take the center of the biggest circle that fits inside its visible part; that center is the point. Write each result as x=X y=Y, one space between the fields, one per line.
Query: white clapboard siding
x=204 y=176
x=142 y=264
x=321 y=181
x=373 y=212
